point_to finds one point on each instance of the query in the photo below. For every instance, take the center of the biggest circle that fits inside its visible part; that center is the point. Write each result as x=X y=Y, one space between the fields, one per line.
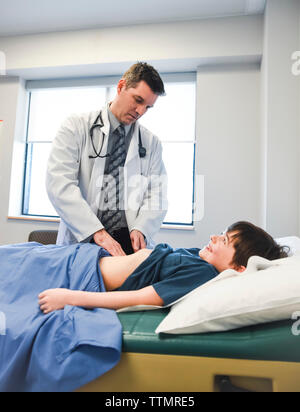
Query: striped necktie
x=114 y=183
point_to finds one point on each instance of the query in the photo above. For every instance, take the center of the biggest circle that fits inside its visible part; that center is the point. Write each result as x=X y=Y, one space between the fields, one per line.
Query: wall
x=280 y=114
x=8 y=106
x=172 y=46
x=299 y=91
x=13 y=111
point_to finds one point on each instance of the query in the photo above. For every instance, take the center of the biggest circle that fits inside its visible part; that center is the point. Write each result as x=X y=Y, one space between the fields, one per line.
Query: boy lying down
x=163 y=275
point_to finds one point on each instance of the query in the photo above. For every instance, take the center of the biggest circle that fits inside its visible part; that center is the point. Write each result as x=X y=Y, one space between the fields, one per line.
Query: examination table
x=264 y=357
x=258 y=358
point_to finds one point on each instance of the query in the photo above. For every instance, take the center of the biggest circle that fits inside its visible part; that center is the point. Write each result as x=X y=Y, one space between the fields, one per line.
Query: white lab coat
x=74 y=180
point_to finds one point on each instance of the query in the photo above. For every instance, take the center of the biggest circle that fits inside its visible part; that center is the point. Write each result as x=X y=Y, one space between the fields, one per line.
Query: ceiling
x=19 y=17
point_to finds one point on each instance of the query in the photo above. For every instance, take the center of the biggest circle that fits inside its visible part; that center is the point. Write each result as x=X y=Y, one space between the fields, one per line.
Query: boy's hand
x=54 y=299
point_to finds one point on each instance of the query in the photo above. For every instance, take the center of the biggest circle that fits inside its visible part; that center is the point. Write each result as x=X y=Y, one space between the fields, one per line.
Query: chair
x=46 y=237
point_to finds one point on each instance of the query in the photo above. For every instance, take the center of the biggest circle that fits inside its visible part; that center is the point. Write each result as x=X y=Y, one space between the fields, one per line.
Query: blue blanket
x=65 y=349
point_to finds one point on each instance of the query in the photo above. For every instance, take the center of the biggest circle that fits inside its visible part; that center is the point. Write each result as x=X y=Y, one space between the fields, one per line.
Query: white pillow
x=266 y=291
x=293 y=242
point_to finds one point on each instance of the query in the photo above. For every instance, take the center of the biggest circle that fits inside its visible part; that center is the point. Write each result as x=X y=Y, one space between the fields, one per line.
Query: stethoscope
x=99 y=123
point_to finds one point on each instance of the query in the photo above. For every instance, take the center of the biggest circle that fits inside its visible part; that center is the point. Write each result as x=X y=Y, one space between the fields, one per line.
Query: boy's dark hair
x=144 y=72
x=250 y=240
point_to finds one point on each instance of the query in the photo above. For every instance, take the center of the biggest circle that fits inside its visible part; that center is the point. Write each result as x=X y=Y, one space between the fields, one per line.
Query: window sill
x=34 y=218
x=57 y=220
x=177 y=227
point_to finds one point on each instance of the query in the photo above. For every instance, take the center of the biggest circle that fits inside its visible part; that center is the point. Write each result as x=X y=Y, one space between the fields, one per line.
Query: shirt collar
x=114 y=122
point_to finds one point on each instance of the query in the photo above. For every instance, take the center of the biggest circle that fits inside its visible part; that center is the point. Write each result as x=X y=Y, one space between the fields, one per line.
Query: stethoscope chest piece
x=142 y=151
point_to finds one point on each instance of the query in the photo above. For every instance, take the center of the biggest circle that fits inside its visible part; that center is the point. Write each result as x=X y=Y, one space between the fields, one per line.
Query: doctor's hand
x=103 y=239
x=137 y=240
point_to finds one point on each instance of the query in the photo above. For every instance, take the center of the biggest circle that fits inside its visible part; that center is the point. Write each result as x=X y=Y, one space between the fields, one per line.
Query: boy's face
x=220 y=252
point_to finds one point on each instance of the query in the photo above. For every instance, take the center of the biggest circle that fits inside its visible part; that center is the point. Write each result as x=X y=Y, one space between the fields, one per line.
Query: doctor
x=105 y=176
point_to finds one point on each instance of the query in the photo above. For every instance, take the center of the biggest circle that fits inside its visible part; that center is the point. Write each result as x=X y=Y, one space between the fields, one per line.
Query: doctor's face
x=220 y=252
x=131 y=104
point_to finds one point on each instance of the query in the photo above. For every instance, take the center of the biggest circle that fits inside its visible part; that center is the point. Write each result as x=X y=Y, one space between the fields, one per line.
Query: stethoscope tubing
x=99 y=123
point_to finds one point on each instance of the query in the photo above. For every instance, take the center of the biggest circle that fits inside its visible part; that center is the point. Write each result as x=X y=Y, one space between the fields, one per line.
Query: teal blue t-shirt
x=172 y=272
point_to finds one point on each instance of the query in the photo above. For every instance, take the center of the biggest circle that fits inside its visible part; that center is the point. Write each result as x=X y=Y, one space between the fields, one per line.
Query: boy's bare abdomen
x=116 y=269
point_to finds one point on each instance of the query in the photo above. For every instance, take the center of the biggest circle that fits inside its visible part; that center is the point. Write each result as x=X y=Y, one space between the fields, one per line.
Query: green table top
x=272 y=341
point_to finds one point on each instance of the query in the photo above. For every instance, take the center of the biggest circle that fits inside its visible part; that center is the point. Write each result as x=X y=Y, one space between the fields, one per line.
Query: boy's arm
x=55 y=299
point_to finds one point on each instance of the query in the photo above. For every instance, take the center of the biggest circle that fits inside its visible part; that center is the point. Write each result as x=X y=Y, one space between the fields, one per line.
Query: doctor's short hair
x=144 y=72
x=250 y=240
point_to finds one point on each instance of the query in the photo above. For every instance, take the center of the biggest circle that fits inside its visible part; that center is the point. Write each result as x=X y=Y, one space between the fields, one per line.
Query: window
x=48 y=108
x=172 y=120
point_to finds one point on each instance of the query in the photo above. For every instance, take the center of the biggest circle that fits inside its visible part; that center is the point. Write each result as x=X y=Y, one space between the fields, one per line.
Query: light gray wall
x=13 y=112
x=299 y=95
x=280 y=131
x=171 y=46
